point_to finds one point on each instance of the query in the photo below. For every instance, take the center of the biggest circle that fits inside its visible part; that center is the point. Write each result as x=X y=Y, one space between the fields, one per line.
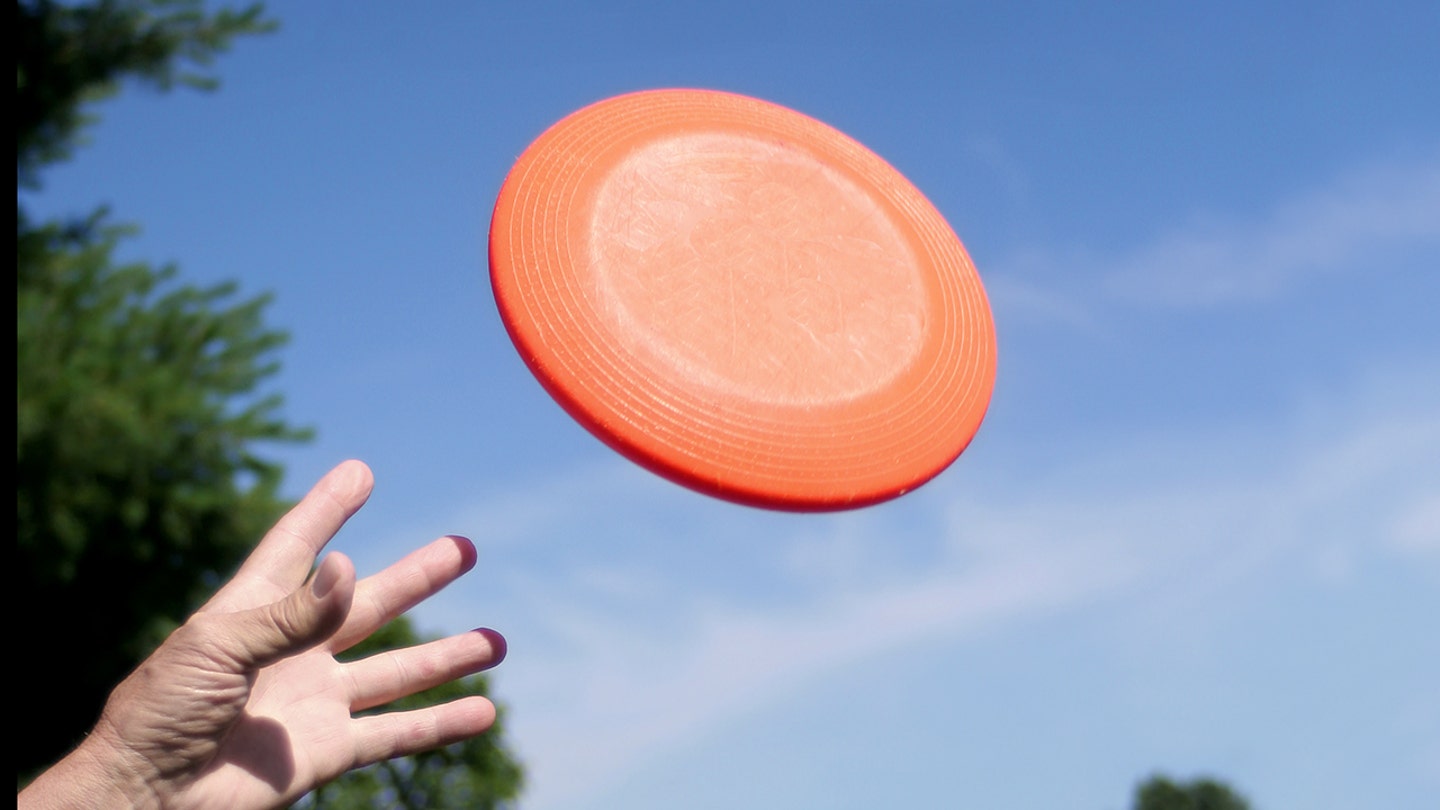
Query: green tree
x=138 y=400
x=142 y=411
x=68 y=55
x=138 y=488
x=1162 y=793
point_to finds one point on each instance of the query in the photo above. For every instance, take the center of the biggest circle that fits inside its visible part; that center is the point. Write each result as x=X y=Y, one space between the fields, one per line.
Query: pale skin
x=245 y=705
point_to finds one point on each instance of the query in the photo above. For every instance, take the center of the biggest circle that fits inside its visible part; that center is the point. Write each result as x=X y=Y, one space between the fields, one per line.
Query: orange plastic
x=743 y=300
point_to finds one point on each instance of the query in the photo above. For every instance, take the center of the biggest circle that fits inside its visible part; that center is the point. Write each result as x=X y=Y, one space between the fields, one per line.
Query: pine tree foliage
x=143 y=412
x=140 y=401
x=139 y=420
x=69 y=55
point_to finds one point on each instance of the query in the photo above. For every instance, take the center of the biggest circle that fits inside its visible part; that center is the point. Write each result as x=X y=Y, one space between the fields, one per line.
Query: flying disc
x=742 y=299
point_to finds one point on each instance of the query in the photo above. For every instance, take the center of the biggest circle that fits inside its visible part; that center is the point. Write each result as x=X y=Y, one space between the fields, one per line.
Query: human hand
x=245 y=704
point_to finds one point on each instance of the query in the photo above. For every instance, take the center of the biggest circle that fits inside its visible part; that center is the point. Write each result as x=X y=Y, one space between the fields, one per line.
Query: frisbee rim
x=529 y=212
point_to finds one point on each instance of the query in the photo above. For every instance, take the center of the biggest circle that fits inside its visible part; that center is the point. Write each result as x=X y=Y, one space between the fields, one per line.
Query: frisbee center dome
x=748 y=266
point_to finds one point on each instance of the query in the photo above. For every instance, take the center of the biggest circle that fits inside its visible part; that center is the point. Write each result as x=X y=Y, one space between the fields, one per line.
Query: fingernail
x=325 y=578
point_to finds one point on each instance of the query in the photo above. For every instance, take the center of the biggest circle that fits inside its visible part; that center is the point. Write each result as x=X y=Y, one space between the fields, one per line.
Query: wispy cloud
x=626 y=652
x=1020 y=302
x=1417 y=529
x=1357 y=223
x=1340 y=227
x=630 y=692
x=605 y=691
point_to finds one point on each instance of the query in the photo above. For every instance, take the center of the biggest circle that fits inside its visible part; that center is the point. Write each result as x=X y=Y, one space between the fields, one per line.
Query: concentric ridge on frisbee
x=742 y=299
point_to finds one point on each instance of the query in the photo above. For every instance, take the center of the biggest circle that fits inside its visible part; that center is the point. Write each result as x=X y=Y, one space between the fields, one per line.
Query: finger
x=399 y=734
x=286 y=554
x=418 y=576
x=379 y=679
x=257 y=637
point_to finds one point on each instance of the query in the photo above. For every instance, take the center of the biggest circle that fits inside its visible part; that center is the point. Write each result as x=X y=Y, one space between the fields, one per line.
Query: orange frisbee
x=742 y=299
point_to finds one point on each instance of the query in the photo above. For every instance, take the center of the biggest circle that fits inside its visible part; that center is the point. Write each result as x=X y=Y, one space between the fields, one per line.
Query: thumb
x=311 y=614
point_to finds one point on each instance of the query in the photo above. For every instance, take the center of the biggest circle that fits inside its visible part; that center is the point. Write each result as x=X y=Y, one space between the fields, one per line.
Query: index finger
x=284 y=557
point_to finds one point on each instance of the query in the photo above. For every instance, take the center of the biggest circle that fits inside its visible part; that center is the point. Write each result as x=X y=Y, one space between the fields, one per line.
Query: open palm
x=245 y=705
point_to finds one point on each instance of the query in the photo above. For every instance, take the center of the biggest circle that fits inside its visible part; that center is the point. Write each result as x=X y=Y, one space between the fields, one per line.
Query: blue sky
x=1199 y=531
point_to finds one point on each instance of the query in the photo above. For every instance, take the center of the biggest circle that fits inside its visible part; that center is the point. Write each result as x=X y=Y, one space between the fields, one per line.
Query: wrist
x=98 y=774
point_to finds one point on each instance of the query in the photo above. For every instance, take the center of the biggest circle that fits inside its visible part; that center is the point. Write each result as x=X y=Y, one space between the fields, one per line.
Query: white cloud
x=641 y=694
x=1357 y=223
x=1019 y=301
x=1340 y=227
x=1416 y=531
x=608 y=691
x=630 y=654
